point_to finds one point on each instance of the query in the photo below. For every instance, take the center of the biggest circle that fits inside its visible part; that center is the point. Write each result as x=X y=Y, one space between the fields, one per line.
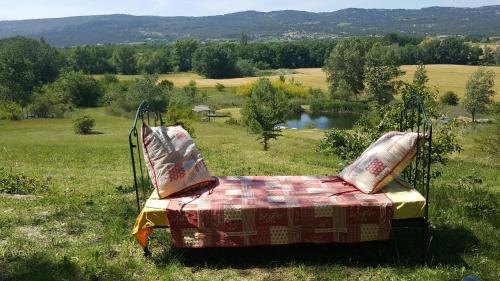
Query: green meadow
x=80 y=228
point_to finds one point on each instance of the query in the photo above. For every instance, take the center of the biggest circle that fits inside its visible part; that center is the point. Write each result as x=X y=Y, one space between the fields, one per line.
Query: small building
x=201 y=109
x=205 y=110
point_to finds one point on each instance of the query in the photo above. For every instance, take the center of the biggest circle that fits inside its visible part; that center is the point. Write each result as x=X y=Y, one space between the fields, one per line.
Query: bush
x=449 y=98
x=328 y=105
x=181 y=116
x=344 y=144
x=124 y=102
x=262 y=65
x=245 y=68
x=109 y=78
x=291 y=89
x=83 y=90
x=310 y=125
x=167 y=84
x=233 y=121
x=214 y=61
x=83 y=125
x=220 y=87
x=295 y=107
x=49 y=104
x=10 y=111
x=20 y=184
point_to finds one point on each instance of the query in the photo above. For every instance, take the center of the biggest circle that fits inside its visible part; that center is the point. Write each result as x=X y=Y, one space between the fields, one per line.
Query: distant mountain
x=288 y=24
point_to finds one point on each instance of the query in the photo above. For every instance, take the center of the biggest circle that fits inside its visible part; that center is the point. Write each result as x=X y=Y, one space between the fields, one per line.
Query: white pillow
x=381 y=162
x=173 y=162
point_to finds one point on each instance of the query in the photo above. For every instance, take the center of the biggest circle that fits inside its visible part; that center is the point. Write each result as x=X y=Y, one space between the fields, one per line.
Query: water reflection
x=323 y=121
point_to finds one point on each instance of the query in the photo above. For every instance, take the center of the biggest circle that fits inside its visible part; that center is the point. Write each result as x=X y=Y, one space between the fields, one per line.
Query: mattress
x=407 y=203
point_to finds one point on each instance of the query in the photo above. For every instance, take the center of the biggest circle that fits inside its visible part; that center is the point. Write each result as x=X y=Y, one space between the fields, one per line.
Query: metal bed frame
x=413 y=118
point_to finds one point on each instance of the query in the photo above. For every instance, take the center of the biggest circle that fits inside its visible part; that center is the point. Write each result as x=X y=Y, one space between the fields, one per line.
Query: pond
x=323 y=121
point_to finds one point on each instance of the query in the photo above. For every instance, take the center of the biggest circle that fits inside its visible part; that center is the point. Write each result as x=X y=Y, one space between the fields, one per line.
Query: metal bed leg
x=147 y=253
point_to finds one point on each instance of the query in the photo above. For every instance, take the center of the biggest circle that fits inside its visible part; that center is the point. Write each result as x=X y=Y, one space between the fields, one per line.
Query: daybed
x=243 y=211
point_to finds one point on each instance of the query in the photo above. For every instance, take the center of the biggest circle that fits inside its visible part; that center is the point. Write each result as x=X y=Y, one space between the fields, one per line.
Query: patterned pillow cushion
x=381 y=162
x=173 y=162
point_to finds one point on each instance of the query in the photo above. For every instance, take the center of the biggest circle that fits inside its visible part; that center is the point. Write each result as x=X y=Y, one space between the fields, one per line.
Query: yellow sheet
x=408 y=203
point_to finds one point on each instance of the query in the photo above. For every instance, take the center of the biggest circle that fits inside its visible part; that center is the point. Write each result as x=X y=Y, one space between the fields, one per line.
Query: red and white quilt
x=263 y=210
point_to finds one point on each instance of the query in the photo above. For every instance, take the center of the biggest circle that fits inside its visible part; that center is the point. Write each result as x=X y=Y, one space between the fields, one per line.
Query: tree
x=420 y=77
x=244 y=38
x=497 y=56
x=142 y=89
x=49 y=103
x=182 y=54
x=24 y=65
x=488 y=56
x=265 y=110
x=82 y=90
x=90 y=59
x=343 y=91
x=124 y=60
x=346 y=62
x=479 y=91
x=155 y=62
x=449 y=98
x=214 y=61
x=382 y=67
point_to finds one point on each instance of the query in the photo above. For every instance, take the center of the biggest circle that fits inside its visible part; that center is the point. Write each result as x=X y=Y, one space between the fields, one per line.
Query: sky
x=34 y=9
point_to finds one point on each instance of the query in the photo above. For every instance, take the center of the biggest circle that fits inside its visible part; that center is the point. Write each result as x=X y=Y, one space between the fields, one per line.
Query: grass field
x=81 y=228
x=443 y=77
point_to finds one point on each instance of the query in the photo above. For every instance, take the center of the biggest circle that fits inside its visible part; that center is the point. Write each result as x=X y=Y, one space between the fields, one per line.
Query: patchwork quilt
x=263 y=210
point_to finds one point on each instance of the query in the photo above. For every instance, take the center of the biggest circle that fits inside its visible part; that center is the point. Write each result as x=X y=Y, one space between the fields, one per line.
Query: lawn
x=444 y=77
x=81 y=228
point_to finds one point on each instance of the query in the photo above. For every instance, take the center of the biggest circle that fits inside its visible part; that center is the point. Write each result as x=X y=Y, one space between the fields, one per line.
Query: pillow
x=173 y=162
x=381 y=162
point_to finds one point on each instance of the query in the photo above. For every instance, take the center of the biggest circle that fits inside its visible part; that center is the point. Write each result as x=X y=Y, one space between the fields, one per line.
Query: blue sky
x=28 y=9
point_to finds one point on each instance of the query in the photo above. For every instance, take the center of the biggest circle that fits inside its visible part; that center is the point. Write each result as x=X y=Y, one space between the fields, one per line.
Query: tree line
x=244 y=58
x=39 y=77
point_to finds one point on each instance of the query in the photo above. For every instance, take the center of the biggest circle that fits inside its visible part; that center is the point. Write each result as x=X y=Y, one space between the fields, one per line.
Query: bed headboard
x=414 y=119
x=142 y=183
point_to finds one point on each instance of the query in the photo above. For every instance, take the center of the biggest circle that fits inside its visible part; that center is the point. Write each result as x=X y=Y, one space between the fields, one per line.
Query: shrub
x=328 y=105
x=245 y=68
x=291 y=89
x=295 y=107
x=10 y=111
x=310 y=125
x=344 y=144
x=109 y=78
x=125 y=101
x=49 y=103
x=449 y=98
x=220 y=87
x=83 y=125
x=215 y=61
x=83 y=90
x=20 y=184
x=233 y=121
x=167 y=84
x=262 y=65
x=181 y=116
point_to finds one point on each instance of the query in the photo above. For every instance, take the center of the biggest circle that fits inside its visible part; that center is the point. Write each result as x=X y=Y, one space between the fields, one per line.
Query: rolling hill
x=288 y=24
